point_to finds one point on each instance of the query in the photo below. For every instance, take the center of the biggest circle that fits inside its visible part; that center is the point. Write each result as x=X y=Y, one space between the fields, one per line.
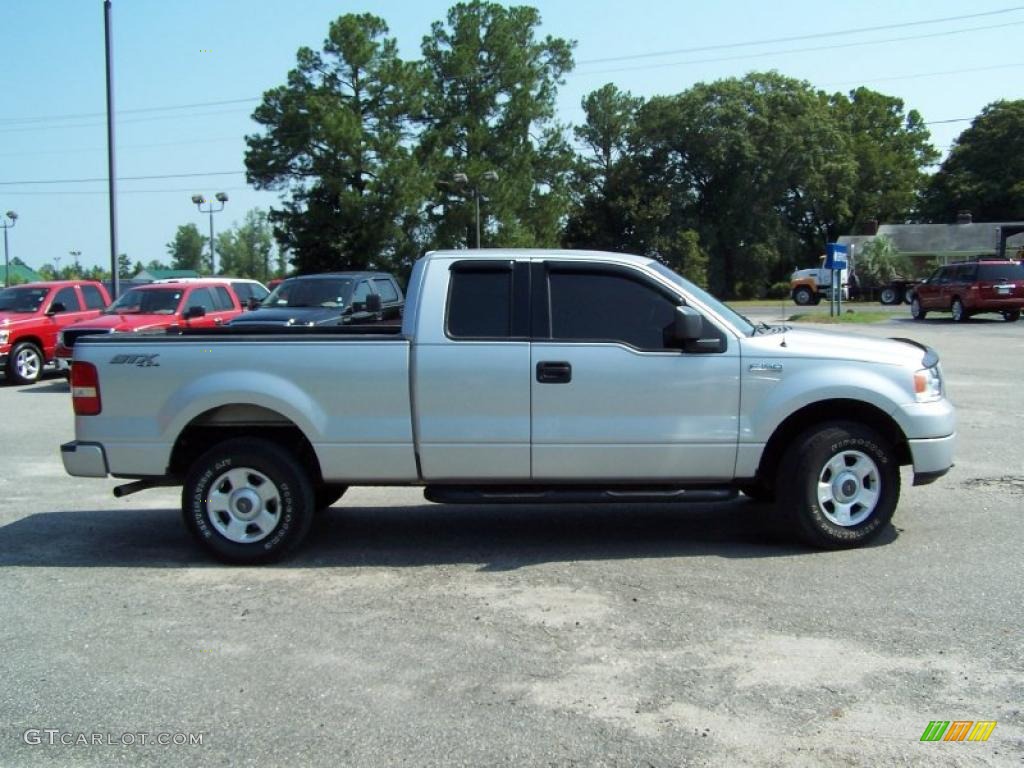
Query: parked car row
x=40 y=322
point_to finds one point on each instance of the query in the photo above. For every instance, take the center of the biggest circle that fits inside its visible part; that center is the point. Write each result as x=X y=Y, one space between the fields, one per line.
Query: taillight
x=85 y=389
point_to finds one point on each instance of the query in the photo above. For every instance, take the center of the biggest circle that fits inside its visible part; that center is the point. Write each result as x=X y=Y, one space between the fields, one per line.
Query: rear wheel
x=25 y=363
x=959 y=313
x=916 y=311
x=1011 y=315
x=889 y=295
x=247 y=501
x=838 y=485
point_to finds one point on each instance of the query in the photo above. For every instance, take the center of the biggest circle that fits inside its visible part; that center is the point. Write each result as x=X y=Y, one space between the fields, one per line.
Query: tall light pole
x=473 y=190
x=199 y=200
x=78 y=267
x=111 y=164
x=10 y=217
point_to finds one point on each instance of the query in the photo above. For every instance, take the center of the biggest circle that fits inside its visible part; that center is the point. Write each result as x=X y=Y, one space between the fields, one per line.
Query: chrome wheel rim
x=27 y=363
x=244 y=505
x=849 y=487
x=803 y=297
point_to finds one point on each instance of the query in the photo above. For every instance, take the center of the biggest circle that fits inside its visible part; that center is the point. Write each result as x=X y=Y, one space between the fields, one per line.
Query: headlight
x=4 y=336
x=928 y=384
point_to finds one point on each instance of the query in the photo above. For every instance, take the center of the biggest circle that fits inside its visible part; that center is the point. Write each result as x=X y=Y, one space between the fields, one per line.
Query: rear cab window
x=93 y=297
x=488 y=300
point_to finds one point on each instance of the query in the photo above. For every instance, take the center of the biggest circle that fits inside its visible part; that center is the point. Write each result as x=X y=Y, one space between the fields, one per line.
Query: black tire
x=807 y=463
x=916 y=311
x=326 y=494
x=758 y=492
x=803 y=296
x=908 y=295
x=1011 y=315
x=889 y=295
x=25 y=363
x=278 y=524
x=959 y=313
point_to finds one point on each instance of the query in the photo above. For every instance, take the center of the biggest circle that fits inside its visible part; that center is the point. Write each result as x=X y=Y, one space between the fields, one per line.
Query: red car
x=192 y=304
x=32 y=315
x=970 y=288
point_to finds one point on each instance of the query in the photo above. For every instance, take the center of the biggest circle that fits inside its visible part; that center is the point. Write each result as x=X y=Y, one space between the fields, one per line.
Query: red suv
x=970 y=288
x=32 y=315
x=192 y=304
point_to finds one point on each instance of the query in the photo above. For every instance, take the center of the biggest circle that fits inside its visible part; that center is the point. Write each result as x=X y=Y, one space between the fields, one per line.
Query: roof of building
x=950 y=240
x=20 y=272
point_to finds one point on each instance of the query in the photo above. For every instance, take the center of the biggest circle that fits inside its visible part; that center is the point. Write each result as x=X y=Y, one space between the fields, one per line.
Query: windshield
x=22 y=299
x=149 y=301
x=310 y=292
x=733 y=317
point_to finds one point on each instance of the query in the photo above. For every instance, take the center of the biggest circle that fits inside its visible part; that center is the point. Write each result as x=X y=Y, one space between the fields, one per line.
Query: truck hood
x=826 y=345
x=14 y=319
x=291 y=316
x=132 y=322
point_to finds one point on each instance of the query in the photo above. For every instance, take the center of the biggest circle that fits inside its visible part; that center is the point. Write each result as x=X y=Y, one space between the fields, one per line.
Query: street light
x=7 y=259
x=199 y=200
x=78 y=267
x=473 y=189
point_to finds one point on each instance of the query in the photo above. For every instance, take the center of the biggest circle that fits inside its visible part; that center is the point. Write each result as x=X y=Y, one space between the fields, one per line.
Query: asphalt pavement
x=409 y=633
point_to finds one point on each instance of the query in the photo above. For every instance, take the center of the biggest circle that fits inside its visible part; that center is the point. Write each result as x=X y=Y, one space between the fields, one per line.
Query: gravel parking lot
x=408 y=633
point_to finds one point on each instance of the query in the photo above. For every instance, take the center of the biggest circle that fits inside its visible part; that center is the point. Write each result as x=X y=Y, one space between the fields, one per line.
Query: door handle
x=552 y=372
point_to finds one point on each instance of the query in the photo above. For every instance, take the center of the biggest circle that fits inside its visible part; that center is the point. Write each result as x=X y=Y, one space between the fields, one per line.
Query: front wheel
x=248 y=501
x=803 y=296
x=916 y=310
x=839 y=484
x=25 y=363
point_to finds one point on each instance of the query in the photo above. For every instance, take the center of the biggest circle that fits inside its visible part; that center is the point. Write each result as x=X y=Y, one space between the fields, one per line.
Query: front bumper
x=84 y=459
x=932 y=457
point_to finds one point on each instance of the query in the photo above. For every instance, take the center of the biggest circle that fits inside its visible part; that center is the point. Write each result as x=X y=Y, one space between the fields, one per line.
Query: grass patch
x=849 y=316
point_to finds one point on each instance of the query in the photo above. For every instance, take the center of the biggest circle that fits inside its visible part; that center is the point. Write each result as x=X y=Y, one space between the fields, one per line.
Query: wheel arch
x=240 y=420
x=824 y=411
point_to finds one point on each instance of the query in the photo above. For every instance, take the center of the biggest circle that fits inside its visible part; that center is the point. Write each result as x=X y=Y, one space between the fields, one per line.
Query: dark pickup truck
x=335 y=298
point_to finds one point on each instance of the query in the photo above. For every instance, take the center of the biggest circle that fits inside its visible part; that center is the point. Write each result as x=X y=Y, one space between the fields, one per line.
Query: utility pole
x=8 y=221
x=199 y=200
x=111 y=166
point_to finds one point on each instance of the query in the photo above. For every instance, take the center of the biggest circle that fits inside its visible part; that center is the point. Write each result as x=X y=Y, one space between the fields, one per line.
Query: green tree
x=156 y=264
x=880 y=261
x=47 y=272
x=984 y=172
x=187 y=250
x=246 y=250
x=490 y=107
x=891 y=149
x=124 y=267
x=337 y=145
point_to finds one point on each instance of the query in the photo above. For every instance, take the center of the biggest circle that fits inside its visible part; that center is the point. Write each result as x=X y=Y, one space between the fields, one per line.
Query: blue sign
x=836 y=256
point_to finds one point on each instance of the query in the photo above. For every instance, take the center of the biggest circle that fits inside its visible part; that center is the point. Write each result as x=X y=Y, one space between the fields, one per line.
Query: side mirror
x=373 y=302
x=194 y=311
x=56 y=308
x=252 y=303
x=687 y=325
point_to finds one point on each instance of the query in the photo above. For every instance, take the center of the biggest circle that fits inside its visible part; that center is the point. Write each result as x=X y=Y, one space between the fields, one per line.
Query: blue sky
x=169 y=54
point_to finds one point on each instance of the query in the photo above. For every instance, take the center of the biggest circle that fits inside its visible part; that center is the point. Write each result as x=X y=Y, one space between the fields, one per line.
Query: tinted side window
x=361 y=292
x=386 y=289
x=200 y=297
x=480 y=303
x=223 y=298
x=68 y=298
x=609 y=307
x=243 y=291
x=994 y=272
x=93 y=297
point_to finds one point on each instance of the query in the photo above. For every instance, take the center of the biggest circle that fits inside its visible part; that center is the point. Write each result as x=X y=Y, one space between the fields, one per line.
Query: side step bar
x=524 y=494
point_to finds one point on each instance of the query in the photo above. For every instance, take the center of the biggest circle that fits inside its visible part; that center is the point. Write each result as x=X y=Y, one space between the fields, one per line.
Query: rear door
x=471 y=372
x=929 y=293
x=72 y=312
x=228 y=307
x=611 y=400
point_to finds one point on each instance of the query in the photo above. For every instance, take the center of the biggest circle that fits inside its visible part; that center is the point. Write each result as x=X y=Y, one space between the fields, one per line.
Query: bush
x=780 y=290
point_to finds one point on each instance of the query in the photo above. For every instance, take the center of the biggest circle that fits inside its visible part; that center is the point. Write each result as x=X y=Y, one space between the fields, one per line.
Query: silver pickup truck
x=529 y=376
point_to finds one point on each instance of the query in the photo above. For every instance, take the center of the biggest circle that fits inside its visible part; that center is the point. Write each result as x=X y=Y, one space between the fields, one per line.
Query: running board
x=457 y=494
